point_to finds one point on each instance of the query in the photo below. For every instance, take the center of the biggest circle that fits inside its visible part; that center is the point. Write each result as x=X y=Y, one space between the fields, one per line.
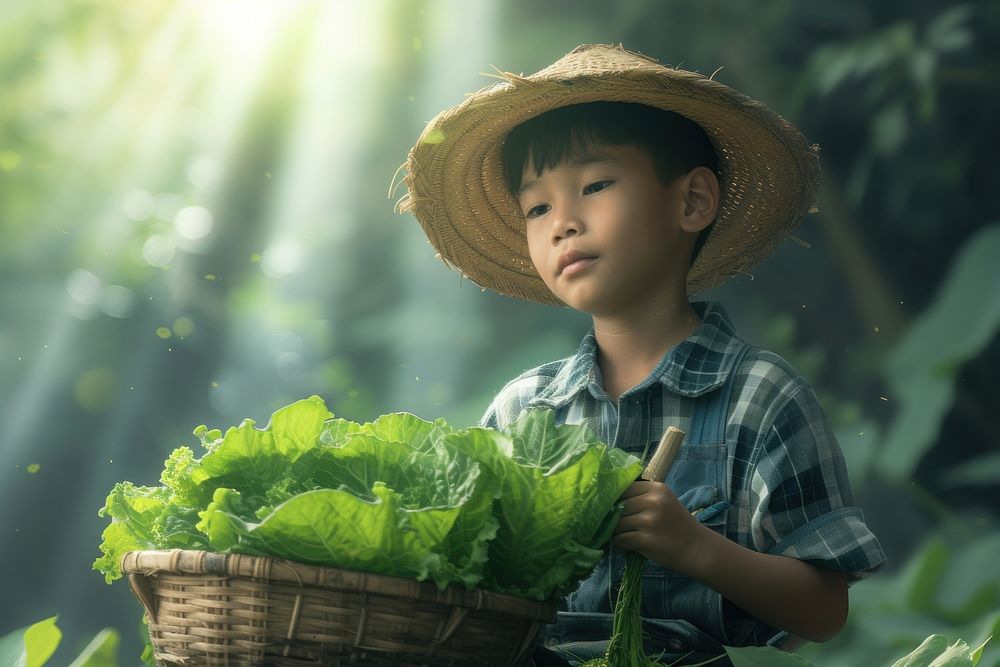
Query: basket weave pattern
x=228 y=609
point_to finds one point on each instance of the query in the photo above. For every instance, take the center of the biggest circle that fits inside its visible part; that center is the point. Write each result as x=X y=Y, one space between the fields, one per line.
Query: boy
x=616 y=186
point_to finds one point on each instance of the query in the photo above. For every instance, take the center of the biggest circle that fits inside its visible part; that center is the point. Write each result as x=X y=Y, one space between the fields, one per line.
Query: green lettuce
x=522 y=511
x=557 y=504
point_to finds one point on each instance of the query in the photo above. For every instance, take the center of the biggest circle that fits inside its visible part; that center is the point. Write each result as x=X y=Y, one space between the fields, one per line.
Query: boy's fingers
x=636 y=489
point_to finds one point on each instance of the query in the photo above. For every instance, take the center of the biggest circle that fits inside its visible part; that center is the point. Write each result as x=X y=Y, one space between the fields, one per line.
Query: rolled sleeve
x=804 y=507
x=839 y=541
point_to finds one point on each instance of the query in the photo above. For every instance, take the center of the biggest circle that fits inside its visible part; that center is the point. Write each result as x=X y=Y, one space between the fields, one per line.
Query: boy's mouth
x=572 y=261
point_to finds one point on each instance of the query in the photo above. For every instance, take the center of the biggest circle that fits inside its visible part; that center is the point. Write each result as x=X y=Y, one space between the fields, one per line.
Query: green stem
x=625 y=648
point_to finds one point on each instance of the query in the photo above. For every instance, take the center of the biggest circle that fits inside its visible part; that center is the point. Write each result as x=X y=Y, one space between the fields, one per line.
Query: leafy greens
x=523 y=510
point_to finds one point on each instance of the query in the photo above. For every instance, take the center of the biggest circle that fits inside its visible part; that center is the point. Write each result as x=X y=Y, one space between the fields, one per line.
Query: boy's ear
x=700 y=189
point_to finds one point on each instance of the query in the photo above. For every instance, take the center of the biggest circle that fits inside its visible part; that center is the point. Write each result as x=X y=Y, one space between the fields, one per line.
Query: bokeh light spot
x=94 y=389
x=117 y=301
x=168 y=205
x=9 y=160
x=283 y=258
x=203 y=172
x=163 y=332
x=139 y=204
x=183 y=326
x=159 y=250
x=84 y=287
x=194 y=222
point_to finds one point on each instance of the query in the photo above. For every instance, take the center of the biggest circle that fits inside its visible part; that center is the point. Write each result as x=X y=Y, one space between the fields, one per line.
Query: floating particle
x=163 y=332
x=33 y=468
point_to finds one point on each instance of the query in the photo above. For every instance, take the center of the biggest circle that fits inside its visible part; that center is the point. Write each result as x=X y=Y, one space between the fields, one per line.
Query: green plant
x=32 y=646
x=524 y=511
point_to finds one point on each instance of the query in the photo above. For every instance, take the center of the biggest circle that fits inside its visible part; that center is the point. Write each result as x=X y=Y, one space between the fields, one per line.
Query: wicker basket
x=207 y=608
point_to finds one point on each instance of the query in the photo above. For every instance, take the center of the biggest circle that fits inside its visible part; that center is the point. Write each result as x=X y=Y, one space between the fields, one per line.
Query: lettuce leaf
x=326 y=527
x=559 y=484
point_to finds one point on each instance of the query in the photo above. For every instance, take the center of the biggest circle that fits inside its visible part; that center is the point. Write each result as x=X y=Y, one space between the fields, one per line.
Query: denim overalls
x=700 y=479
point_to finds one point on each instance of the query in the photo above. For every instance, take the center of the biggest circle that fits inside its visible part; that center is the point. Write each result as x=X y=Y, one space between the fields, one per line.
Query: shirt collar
x=697 y=365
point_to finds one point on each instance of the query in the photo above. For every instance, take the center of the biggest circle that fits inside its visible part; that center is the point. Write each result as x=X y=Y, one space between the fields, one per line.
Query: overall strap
x=708 y=423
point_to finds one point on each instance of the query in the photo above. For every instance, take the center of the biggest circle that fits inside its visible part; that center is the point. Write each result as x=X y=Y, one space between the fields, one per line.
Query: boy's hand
x=656 y=525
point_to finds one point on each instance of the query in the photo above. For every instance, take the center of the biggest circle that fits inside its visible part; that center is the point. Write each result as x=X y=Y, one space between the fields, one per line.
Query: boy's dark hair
x=676 y=144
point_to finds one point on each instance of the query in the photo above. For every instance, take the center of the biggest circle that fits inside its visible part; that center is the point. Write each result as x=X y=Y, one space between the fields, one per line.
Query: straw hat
x=457 y=190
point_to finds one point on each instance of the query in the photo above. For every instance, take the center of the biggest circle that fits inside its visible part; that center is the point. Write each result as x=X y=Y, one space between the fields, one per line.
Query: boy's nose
x=567 y=224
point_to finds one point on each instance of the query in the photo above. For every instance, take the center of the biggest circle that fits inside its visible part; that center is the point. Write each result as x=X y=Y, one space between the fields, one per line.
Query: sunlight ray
x=315 y=185
x=426 y=288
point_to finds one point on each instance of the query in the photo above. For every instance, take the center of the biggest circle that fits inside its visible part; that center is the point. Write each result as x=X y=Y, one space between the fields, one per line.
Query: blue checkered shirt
x=790 y=492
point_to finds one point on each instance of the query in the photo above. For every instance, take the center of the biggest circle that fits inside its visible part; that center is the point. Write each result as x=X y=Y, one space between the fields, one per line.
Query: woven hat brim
x=457 y=189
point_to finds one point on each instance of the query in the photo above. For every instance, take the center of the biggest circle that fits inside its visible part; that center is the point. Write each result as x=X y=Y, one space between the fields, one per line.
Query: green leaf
x=356 y=465
x=925 y=654
x=176 y=476
x=30 y=646
x=935 y=651
x=12 y=647
x=40 y=641
x=297 y=426
x=329 y=527
x=402 y=427
x=764 y=656
x=102 y=651
x=445 y=501
x=982 y=470
x=134 y=511
x=949 y=31
x=559 y=484
x=970 y=587
x=335 y=431
x=921 y=370
x=253 y=459
x=925 y=574
x=978 y=653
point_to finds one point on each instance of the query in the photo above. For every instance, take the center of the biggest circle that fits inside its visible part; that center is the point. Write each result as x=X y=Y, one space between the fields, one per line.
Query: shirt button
x=675 y=644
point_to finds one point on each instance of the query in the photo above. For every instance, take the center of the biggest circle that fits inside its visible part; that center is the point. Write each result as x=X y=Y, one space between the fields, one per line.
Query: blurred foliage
x=946 y=587
x=32 y=646
x=194 y=229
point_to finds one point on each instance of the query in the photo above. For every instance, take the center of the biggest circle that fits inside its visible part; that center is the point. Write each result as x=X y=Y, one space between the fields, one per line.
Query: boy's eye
x=596 y=187
x=535 y=211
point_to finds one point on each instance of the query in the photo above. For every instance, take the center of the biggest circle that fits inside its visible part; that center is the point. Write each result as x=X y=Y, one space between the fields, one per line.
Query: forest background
x=195 y=229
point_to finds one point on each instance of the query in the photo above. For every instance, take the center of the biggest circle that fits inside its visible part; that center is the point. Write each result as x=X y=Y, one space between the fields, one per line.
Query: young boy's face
x=604 y=232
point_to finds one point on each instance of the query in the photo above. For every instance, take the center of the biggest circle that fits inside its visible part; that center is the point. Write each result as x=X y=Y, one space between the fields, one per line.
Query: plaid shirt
x=790 y=492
